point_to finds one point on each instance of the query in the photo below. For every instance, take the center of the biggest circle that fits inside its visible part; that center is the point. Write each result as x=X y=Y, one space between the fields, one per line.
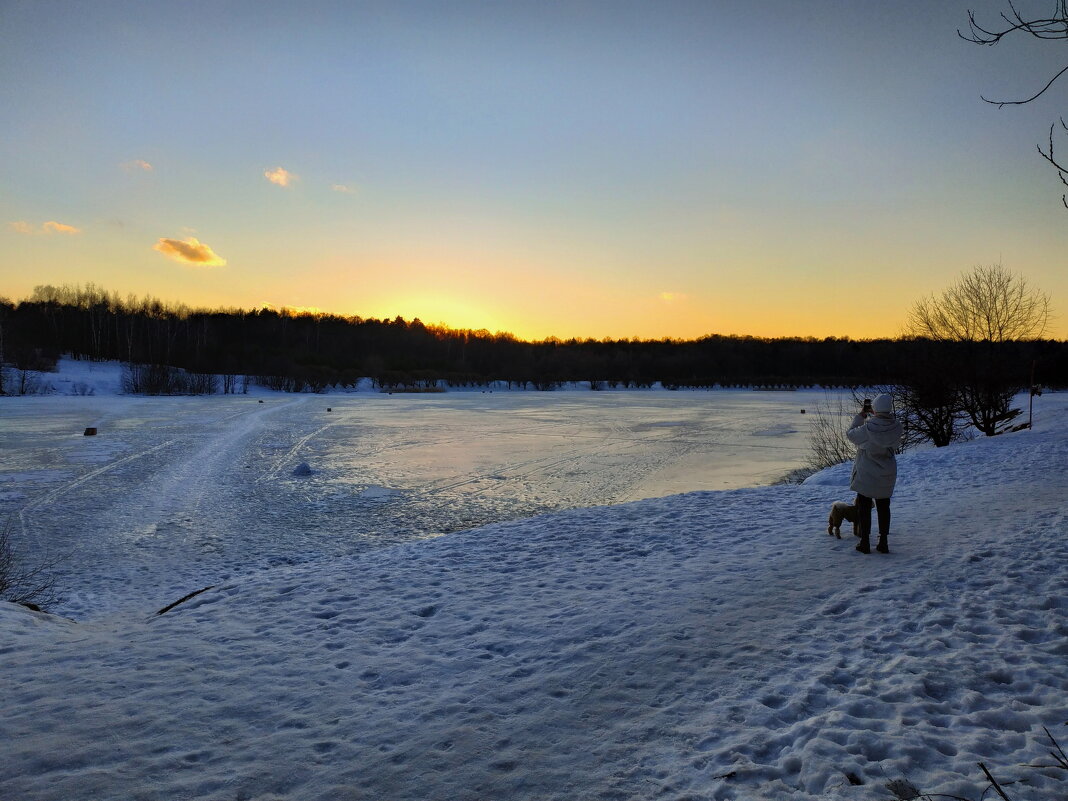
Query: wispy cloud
x=189 y=251
x=672 y=297
x=50 y=227
x=53 y=227
x=343 y=189
x=137 y=164
x=280 y=176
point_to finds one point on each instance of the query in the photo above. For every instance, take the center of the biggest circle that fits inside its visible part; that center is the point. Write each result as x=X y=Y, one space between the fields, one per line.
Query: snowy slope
x=714 y=645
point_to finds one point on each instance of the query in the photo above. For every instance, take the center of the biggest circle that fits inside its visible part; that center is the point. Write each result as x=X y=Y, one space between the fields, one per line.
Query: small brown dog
x=842 y=511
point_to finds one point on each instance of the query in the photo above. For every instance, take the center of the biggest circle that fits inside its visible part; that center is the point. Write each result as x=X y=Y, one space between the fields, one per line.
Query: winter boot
x=882 y=547
x=864 y=546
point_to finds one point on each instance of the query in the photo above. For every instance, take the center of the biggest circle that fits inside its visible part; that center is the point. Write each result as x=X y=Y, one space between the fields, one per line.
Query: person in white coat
x=877 y=434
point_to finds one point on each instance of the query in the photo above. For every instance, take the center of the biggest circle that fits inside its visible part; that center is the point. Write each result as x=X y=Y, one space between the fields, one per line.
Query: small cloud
x=672 y=297
x=189 y=251
x=137 y=164
x=53 y=227
x=50 y=227
x=345 y=190
x=280 y=176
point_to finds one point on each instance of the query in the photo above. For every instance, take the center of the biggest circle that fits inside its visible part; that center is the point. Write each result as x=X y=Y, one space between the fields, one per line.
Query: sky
x=569 y=169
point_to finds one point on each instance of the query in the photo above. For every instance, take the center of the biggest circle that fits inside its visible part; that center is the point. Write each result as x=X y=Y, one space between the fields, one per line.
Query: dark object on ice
x=303 y=469
x=329 y=409
x=182 y=600
x=802 y=411
x=90 y=432
x=259 y=401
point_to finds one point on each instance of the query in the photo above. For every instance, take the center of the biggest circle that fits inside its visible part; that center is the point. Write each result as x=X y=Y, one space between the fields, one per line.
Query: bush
x=828 y=443
x=159 y=379
x=30 y=586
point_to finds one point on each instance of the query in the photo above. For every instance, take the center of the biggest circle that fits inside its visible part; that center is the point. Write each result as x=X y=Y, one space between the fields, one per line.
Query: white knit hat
x=883 y=404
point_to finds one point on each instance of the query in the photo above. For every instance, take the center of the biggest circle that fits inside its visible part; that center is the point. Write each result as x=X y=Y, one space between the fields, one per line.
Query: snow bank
x=76 y=377
x=714 y=645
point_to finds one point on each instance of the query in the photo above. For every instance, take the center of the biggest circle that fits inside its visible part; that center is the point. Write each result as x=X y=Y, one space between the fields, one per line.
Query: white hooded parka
x=875 y=468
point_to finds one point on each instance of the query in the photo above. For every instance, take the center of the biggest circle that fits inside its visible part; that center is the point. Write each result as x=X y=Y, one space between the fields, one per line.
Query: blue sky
x=549 y=168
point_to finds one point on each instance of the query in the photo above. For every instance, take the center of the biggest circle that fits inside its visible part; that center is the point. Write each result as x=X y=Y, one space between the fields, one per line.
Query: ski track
x=175 y=511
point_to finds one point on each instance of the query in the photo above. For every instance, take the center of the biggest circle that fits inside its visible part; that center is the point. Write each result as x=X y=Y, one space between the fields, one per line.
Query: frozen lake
x=177 y=493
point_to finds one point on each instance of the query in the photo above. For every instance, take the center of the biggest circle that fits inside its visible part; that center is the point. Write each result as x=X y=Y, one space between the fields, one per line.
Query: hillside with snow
x=709 y=645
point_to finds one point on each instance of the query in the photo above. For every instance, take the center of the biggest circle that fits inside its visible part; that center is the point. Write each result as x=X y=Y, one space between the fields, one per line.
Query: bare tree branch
x=1062 y=170
x=1055 y=27
x=1048 y=28
x=1000 y=103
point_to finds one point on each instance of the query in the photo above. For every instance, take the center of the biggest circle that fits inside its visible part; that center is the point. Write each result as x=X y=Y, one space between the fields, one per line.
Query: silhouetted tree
x=989 y=304
x=167 y=347
x=983 y=310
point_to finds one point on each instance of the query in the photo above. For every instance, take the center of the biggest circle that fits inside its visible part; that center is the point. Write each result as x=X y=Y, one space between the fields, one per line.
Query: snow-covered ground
x=709 y=645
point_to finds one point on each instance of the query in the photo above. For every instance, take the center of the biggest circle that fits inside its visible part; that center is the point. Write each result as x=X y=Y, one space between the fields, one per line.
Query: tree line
x=174 y=348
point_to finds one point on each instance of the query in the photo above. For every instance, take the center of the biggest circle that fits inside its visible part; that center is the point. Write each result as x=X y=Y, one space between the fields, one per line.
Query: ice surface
x=174 y=493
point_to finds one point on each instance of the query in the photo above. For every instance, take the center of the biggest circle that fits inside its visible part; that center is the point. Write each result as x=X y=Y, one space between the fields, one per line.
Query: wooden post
x=1031 y=398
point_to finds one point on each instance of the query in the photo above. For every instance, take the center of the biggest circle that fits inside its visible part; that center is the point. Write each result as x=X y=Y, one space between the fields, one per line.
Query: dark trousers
x=882 y=506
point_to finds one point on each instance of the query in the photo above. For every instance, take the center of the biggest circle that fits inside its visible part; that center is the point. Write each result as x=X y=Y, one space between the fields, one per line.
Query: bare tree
x=989 y=304
x=1013 y=22
x=929 y=408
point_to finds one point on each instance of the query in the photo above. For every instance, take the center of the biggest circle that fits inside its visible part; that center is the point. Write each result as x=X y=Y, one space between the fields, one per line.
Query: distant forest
x=311 y=352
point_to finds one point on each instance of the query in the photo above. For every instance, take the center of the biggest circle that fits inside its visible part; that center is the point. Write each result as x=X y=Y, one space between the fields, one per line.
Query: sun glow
x=446 y=311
